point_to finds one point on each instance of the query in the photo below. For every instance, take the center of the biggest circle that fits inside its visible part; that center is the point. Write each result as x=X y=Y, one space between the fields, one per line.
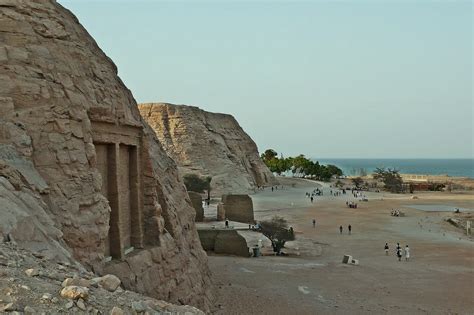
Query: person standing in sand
x=314 y=223
x=350 y=229
x=407 y=253
x=399 y=251
x=399 y=254
x=386 y=249
x=340 y=229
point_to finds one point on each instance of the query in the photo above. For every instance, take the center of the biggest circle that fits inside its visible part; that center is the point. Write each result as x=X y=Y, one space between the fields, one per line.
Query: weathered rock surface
x=196 y=202
x=43 y=295
x=209 y=144
x=75 y=154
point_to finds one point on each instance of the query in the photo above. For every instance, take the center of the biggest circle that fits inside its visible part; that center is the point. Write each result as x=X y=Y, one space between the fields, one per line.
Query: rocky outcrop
x=82 y=176
x=208 y=144
x=32 y=284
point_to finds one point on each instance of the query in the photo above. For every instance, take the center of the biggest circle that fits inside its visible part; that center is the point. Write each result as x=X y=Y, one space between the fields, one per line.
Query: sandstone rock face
x=209 y=144
x=82 y=176
x=196 y=201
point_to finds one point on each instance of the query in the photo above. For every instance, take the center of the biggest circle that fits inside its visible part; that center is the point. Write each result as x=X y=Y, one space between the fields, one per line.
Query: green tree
x=299 y=166
x=198 y=184
x=277 y=232
x=391 y=178
x=339 y=184
x=357 y=181
x=268 y=155
x=334 y=170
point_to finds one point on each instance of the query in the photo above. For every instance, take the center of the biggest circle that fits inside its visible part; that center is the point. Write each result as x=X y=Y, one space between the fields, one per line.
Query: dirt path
x=438 y=279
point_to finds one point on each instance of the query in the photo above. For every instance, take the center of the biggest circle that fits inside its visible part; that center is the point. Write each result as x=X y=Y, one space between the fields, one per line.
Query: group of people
x=272 y=188
x=314 y=193
x=337 y=193
x=395 y=213
x=351 y=204
x=357 y=194
x=398 y=251
x=349 y=229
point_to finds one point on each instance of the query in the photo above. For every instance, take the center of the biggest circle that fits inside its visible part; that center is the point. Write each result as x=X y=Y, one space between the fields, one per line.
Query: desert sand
x=438 y=278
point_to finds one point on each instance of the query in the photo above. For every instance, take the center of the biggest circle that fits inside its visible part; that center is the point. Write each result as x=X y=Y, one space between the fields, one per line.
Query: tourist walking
x=407 y=253
x=340 y=229
x=399 y=251
x=314 y=223
x=399 y=254
x=349 y=228
x=226 y=223
x=386 y=249
x=312 y=199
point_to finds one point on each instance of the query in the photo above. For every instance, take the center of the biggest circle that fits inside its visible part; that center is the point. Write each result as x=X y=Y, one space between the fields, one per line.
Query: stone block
x=228 y=242
x=236 y=208
x=346 y=259
x=220 y=212
x=196 y=202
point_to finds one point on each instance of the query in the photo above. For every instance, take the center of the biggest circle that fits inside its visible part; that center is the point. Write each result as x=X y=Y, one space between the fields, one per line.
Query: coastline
x=462 y=167
x=313 y=279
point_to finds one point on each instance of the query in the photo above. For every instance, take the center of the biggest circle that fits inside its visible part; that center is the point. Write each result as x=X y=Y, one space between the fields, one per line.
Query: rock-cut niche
x=119 y=161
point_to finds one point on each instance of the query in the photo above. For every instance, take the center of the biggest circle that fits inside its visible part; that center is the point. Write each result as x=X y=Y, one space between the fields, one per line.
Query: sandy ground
x=438 y=279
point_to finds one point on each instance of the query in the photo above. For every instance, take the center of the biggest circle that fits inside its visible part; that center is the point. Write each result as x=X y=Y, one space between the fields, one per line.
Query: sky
x=340 y=79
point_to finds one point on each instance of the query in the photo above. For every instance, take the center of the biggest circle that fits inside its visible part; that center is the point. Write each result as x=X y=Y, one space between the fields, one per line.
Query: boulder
x=75 y=292
x=108 y=282
x=32 y=272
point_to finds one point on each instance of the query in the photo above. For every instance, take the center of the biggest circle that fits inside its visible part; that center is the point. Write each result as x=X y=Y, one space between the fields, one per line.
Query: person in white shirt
x=407 y=253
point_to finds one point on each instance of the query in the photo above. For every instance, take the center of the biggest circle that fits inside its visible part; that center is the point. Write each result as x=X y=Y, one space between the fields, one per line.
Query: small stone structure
x=236 y=208
x=196 y=202
x=347 y=259
x=224 y=241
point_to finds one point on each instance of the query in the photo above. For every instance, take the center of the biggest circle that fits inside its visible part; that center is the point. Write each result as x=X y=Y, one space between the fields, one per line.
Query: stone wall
x=196 y=202
x=236 y=208
x=109 y=194
x=209 y=144
x=227 y=241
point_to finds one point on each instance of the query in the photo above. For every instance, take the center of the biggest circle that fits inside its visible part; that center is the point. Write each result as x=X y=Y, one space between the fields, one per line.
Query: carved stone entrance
x=118 y=161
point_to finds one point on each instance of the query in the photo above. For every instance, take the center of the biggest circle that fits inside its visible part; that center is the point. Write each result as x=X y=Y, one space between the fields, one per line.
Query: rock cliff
x=209 y=144
x=82 y=177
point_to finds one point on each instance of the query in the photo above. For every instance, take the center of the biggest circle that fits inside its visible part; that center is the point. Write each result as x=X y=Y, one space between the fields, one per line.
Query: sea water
x=451 y=167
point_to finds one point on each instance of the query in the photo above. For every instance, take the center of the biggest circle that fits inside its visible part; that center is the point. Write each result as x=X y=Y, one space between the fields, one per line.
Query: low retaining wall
x=227 y=241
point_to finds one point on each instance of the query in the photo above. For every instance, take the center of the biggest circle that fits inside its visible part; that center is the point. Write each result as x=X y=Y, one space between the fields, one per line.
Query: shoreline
x=315 y=281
